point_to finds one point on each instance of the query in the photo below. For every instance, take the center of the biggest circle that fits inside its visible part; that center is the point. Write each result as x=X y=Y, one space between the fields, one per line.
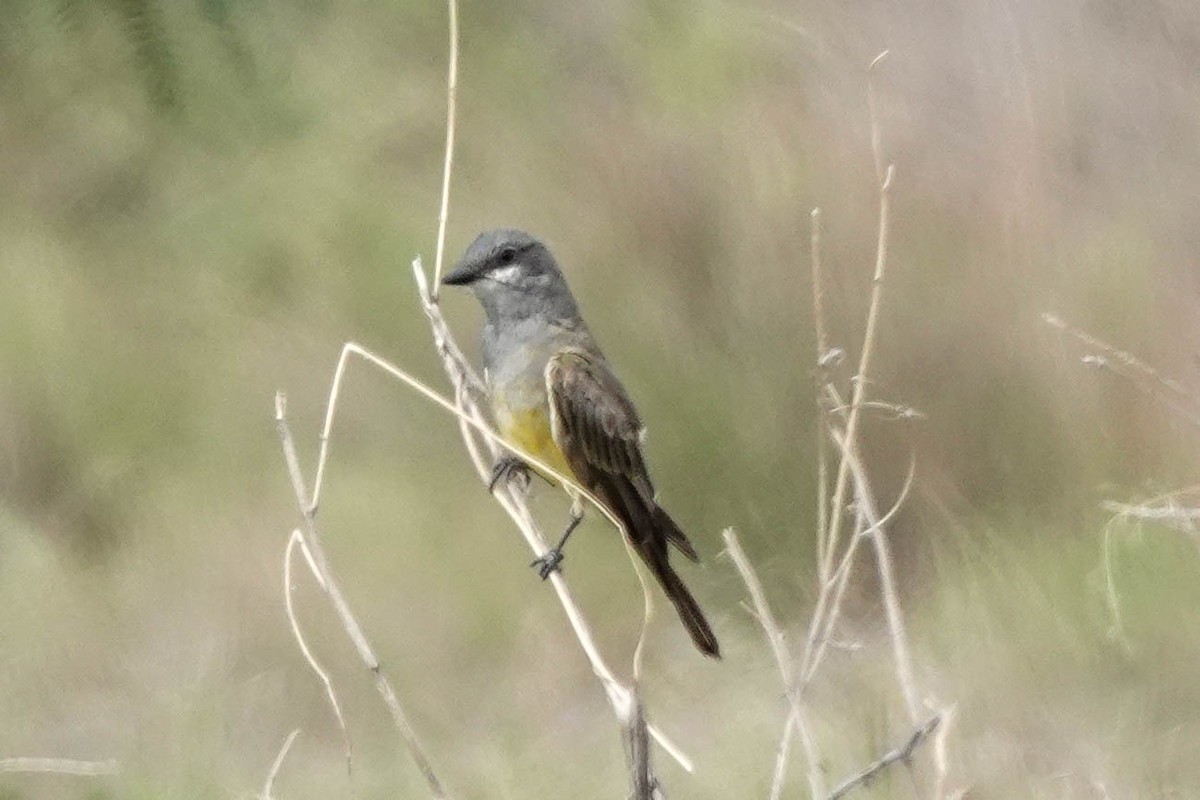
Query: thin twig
x=60 y=766
x=448 y=160
x=818 y=293
x=816 y=644
x=876 y=132
x=941 y=759
x=850 y=438
x=869 y=336
x=1169 y=512
x=341 y=606
x=888 y=590
x=472 y=419
x=797 y=715
x=269 y=784
x=637 y=752
x=1117 y=631
x=297 y=539
x=1124 y=357
x=894 y=410
x=901 y=754
x=864 y=363
x=1146 y=378
x=865 y=504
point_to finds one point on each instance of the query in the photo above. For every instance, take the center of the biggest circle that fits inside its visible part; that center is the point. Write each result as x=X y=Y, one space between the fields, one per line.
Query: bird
x=554 y=395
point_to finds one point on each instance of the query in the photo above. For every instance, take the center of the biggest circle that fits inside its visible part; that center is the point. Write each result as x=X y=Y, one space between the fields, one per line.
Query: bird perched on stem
x=554 y=395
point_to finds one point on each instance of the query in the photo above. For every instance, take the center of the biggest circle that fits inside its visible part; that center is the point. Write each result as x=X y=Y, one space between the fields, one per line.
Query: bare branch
x=297 y=539
x=1146 y=378
x=448 y=161
x=1117 y=630
x=637 y=753
x=823 y=622
x=891 y=598
x=901 y=754
x=876 y=133
x=797 y=715
x=864 y=363
x=269 y=784
x=60 y=766
x=311 y=541
x=1167 y=512
x=818 y=292
x=941 y=760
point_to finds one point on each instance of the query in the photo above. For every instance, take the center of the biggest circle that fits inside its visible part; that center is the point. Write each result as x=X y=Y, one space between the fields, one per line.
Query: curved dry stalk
x=297 y=539
x=647 y=609
x=641 y=777
x=311 y=541
x=797 y=716
x=277 y=764
x=841 y=576
x=474 y=420
x=448 y=160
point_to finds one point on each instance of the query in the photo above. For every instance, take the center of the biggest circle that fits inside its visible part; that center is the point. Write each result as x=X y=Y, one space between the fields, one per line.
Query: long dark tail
x=650 y=530
x=689 y=611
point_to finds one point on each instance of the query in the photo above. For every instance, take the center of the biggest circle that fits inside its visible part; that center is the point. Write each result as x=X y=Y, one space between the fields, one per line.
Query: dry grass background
x=202 y=200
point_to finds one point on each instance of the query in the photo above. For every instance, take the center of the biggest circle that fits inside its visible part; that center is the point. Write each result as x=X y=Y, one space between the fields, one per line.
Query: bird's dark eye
x=508 y=255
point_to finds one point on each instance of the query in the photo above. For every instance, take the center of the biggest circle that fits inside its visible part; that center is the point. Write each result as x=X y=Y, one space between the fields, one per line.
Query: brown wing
x=594 y=423
x=593 y=420
x=597 y=429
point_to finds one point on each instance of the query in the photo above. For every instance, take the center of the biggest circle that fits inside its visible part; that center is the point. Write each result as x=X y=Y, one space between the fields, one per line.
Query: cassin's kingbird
x=554 y=395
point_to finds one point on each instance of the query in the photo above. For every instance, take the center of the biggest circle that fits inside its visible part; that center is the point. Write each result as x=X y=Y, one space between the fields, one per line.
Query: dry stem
x=864 y=363
x=821 y=629
x=637 y=753
x=902 y=754
x=1146 y=378
x=448 y=160
x=797 y=715
x=312 y=543
x=269 y=784
x=60 y=766
x=297 y=539
x=818 y=292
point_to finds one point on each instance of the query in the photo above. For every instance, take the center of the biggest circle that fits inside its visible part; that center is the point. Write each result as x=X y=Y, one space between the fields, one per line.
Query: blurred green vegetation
x=202 y=200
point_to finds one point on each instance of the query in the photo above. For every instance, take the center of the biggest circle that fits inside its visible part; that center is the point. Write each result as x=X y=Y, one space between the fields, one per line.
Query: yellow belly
x=529 y=429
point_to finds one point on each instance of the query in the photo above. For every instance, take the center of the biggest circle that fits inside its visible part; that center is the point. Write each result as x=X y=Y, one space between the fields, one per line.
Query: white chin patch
x=506 y=274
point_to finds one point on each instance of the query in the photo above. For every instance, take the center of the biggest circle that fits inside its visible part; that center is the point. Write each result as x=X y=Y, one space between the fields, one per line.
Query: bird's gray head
x=515 y=278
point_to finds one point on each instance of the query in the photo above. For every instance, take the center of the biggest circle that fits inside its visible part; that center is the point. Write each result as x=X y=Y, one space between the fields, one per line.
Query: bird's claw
x=548 y=563
x=506 y=468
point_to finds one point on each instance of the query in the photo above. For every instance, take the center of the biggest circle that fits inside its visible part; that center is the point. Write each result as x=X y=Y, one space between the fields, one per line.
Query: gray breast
x=515 y=358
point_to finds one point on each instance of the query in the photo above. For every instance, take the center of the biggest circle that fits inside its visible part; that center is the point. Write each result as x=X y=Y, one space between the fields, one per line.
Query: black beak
x=463 y=274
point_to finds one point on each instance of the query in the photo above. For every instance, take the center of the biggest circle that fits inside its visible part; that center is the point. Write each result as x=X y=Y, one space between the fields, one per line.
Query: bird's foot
x=507 y=468
x=548 y=563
